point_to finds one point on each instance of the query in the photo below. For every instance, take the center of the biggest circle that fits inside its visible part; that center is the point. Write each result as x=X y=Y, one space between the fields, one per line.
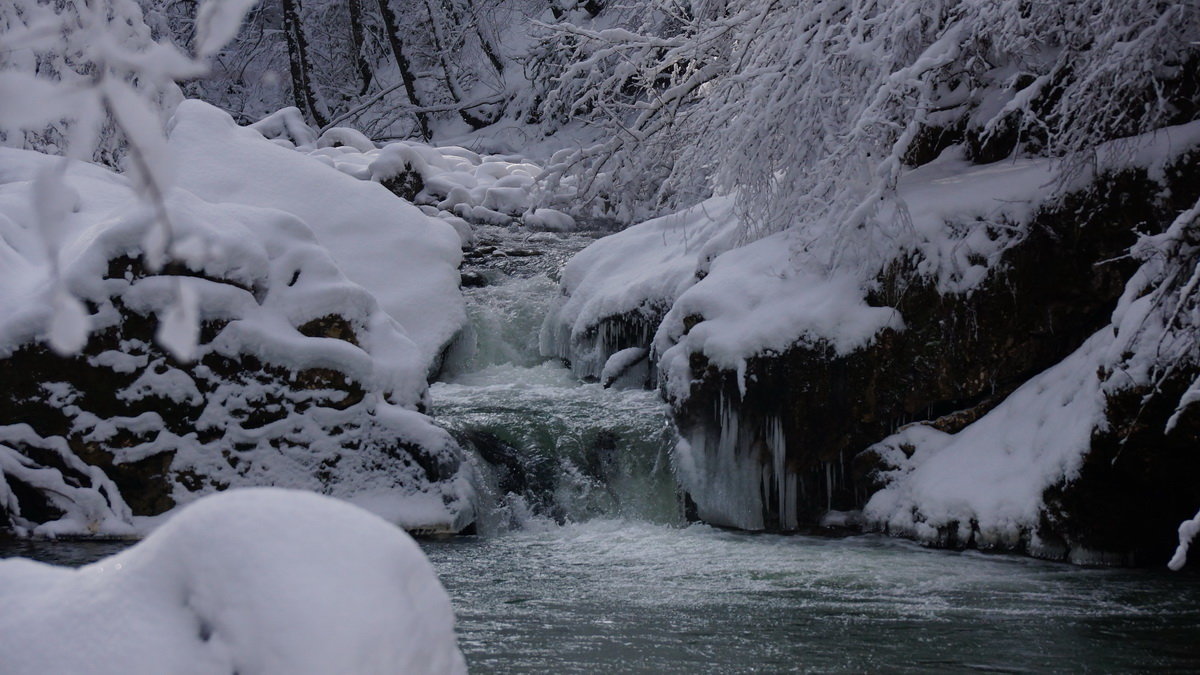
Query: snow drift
x=249 y=581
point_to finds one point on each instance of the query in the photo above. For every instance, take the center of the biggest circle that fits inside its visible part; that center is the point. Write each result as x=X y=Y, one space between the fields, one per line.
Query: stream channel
x=584 y=563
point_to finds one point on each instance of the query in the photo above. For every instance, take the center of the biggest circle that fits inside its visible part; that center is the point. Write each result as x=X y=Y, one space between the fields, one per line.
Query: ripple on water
x=633 y=596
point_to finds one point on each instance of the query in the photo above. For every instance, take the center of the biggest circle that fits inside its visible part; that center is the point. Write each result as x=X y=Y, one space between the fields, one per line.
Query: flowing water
x=584 y=563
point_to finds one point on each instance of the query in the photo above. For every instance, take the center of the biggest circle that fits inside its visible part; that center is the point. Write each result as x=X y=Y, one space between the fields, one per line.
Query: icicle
x=828 y=486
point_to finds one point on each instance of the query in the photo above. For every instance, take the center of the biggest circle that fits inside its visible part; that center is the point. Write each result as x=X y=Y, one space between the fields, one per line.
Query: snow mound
x=635 y=275
x=405 y=259
x=450 y=182
x=249 y=581
x=985 y=483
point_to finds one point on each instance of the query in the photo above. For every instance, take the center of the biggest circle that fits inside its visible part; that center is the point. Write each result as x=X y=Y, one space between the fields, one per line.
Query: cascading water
x=546 y=446
x=585 y=563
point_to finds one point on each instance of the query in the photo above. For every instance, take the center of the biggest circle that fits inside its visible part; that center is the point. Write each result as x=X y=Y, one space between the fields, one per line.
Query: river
x=584 y=563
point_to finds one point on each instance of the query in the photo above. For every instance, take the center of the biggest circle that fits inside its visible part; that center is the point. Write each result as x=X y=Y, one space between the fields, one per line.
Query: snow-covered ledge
x=248 y=581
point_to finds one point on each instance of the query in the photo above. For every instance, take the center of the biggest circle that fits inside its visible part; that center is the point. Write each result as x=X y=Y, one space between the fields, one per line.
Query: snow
x=987 y=480
x=640 y=270
x=456 y=183
x=548 y=220
x=248 y=581
x=1188 y=530
x=261 y=274
x=405 y=259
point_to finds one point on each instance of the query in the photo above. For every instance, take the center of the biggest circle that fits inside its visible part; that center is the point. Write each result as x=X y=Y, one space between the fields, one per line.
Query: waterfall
x=547 y=447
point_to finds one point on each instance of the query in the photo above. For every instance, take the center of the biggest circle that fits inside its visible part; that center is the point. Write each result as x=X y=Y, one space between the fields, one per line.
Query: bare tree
x=357 y=44
x=391 y=25
x=300 y=62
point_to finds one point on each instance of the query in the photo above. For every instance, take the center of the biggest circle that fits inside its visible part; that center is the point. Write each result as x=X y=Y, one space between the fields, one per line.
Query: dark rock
x=958 y=357
x=473 y=280
x=330 y=326
x=405 y=185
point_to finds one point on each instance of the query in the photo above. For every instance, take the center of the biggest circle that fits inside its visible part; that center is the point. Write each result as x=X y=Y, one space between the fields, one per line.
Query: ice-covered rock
x=249 y=581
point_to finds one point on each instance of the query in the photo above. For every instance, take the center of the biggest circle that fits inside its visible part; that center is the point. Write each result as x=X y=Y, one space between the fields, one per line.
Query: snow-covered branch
x=809 y=111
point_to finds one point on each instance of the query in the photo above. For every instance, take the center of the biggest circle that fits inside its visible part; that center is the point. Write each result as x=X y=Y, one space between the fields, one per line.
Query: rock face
x=958 y=356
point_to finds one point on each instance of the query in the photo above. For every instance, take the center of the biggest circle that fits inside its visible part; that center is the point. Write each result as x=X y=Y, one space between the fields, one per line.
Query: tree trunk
x=391 y=25
x=489 y=50
x=451 y=78
x=357 y=37
x=301 y=65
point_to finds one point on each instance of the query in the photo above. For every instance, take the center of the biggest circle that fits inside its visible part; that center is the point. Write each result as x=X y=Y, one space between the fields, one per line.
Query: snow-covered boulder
x=616 y=291
x=297 y=376
x=249 y=581
x=405 y=259
x=984 y=485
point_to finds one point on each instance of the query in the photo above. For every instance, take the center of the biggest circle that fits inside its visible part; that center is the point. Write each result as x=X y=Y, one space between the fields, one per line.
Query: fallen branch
x=450 y=107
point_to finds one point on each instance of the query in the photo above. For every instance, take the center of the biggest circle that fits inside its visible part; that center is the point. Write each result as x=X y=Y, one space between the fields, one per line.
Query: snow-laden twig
x=101 y=88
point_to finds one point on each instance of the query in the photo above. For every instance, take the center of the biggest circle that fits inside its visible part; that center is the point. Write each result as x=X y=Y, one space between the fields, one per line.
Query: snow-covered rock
x=287 y=372
x=249 y=581
x=785 y=356
x=405 y=259
x=616 y=291
x=455 y=183
x=984 y=484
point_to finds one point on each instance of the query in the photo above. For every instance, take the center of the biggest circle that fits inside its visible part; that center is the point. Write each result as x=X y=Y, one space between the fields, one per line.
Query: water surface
x=584 y=563
x=636 y=597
